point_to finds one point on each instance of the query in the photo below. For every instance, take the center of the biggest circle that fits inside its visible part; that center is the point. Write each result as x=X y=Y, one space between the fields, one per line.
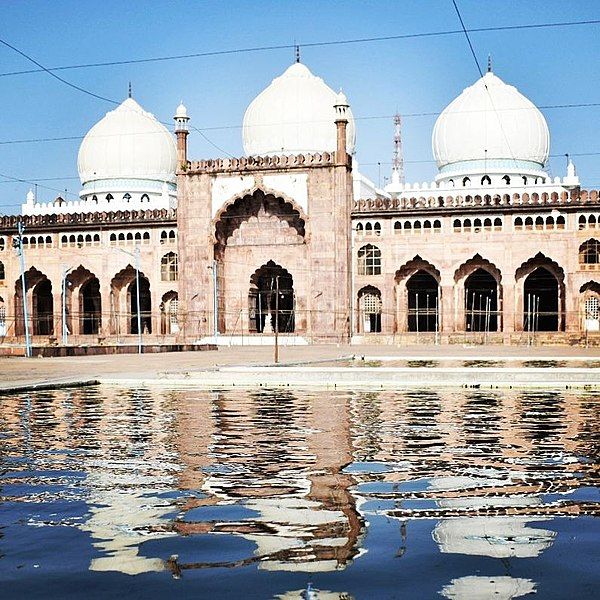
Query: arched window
x=539 y=223
x=589 y=253
x=451 y=182
x=172 y=235
x=518 y=224
x=497 y=224
x=369 y=303
x=368 y=229
x=96 y=239
x=41 y=241
x=2 y=272
x=80 y=240
x=427 y=224
x=506 y=179
x=369 y=260
x=549 y=222
x=456 y=225
x=377 y=228
x=528 y=223
x=359 y=229
x=72 y=240
x=64 y=240
x=129 y=237
x=582 y=221
x=524 y=180
x=146 y=237
x=109 y=197
x=138 y=236
x=417 y=226
x=88 y=240
x=145 y=198
x=592 y=222
x=127 y=197
x=49 y=240
x=121 y=237
x=163 y=237
x=95 y=199
x=477 y=225
x=437 y=226
x=466 y=182
x=113 y=238
x=397 y=227
x=168 y=267
x=467 y=225
x=560 y=222
x=487 y=224
x=485 y=180
x=407 y=225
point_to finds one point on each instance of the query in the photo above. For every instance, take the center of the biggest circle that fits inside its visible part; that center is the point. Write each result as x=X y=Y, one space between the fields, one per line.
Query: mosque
x=292 y=240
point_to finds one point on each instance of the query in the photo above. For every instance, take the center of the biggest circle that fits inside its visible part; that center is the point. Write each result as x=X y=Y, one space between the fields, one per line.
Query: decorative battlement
x=256 y=163
x=515 y=200
x=8 y=223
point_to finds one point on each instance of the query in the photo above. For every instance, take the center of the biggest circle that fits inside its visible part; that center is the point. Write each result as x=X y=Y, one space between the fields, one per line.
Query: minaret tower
x=398 y=160
x=181 y=131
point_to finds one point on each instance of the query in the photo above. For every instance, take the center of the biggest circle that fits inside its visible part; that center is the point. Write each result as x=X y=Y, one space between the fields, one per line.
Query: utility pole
x=18 y=246
x=137 y=294
x=215 y=301
x=276 y=318
x=65 y=272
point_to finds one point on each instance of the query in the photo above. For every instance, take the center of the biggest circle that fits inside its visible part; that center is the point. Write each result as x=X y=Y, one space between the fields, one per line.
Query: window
x=589 y=253
x=377 y=228
x=487 y=224
x=485 y=180
x=497 y=224
x=582 y=222
x=592 y=222
x=592 y=308
x=127 y=197
x=524 y=180
x=407 y=226
x=528 y=223
x=506 y=179
x=109 y=197
x=95 y=199
x=467 y=225
x=518 y=224
x=359 y=230
x=168 y=267
x=539 y=223
x=145 y=198
x=456 y=225
x=146 y=237
x=113 y=239
x=368 y=228
x=437 y=226
x=560 y=222
x=466 y=182
x=397 y=227
x=369 y=260
x=477 y=225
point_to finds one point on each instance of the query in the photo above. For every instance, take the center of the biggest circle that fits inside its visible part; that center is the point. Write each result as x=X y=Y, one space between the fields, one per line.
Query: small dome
x=181 y=111
x=295 y=114
x=493 y=122
x=128 y=143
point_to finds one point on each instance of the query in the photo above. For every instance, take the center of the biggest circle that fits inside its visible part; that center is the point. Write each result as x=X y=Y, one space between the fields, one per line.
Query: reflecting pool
x=108 y=492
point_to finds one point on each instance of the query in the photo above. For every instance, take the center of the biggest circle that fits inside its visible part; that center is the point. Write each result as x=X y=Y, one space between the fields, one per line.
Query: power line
x=49 y=71
x=323 y=43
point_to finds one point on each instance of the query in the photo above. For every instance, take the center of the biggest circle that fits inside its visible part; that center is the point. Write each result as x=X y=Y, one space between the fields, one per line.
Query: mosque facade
x=291 y=239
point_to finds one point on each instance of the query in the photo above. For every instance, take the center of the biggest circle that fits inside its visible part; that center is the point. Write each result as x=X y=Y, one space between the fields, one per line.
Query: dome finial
x=489 y=63
x=297 y=53
x=129 y=92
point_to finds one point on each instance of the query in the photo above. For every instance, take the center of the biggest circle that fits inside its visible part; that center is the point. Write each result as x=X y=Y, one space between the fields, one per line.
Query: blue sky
x=550 y=66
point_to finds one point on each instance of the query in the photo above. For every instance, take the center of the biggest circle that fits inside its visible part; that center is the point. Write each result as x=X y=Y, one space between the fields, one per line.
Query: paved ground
x=19 y=372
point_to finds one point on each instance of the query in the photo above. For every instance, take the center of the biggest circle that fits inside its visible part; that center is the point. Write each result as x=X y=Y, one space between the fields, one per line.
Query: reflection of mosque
x=483 y=460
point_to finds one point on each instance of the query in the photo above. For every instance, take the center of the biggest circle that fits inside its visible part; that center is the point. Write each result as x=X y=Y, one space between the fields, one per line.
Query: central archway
x=271 y=300
x=423 y=302
x=541 y=301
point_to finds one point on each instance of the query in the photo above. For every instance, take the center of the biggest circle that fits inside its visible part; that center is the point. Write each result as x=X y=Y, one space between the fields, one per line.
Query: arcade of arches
x=475 y=300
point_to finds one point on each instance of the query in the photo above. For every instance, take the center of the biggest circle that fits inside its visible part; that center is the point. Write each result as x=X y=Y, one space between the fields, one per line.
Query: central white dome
x=492 y=122
x=128 y=143
x=294 y=115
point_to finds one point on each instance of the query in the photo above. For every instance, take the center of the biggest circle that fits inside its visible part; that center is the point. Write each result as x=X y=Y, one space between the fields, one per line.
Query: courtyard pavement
x=26 y=373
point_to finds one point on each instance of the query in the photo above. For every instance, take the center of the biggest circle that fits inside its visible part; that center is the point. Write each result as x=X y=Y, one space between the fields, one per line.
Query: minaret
x=181 y=131
x=398 y=160
x=341 y=121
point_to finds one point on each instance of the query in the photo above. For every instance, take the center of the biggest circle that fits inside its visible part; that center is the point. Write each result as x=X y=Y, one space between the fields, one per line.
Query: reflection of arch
x=255 y=204
x=271 y=299
x=369 y=307
x=169 y=309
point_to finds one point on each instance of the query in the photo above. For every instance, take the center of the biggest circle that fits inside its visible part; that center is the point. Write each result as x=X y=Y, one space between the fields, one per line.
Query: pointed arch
x=417 y=264
x=540 y=260
x=474 y=263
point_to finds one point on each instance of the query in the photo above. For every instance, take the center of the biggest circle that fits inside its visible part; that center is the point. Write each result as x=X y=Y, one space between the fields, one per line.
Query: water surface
x=108 y=492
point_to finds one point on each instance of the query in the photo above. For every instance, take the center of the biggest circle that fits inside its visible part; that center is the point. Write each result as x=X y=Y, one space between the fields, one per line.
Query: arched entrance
x=590 y=306
x=481 y=301
x=423 y=302
x=271 y=300
x=145 y=306
x=541 y=301
x=169 y=307
x=43 y=308
x=369 y=307
x=90 y=307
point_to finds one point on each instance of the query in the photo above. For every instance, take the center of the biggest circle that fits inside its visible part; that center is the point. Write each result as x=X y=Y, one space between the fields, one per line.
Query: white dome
x=491 y=122
x=294 y=115
x=128 y=143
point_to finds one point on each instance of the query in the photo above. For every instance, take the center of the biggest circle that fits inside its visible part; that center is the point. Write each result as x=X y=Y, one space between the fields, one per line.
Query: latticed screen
x=371 y=304
x=369 y=260
x=173 y=308
x=591 y=308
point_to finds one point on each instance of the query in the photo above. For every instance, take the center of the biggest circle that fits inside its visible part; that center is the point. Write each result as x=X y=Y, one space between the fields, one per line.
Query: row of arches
x=126 y=198
x=80 y=240
x=467 y=225
x=476 y=300
x=589 y=221
x=539 y=223
x=129 y=238
x=87 y=311
x=418 y=226
x=505 y=179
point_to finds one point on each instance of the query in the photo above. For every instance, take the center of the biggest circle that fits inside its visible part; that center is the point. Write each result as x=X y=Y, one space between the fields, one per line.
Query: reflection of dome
x=492 y=122
x=128 y=143
x=480 y=588
x=294 y=115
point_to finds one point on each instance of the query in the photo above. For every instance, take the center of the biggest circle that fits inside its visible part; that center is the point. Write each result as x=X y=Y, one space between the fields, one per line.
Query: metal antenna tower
x=398 y=161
